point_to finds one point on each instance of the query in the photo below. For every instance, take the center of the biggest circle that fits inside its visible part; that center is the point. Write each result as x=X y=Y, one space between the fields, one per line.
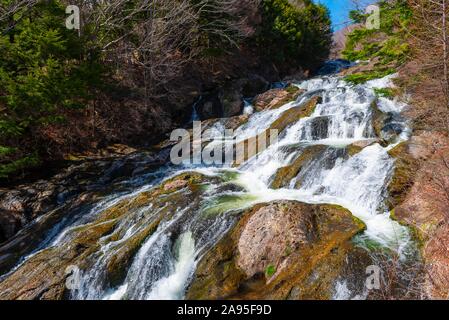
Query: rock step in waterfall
x=299 y=220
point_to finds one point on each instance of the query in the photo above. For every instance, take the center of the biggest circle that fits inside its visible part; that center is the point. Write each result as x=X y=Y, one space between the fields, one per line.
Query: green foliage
x=270 y=270
x=21 y=164
x=45 y=69
x=367 y=76
x=387 y=45
x=384 y=92
x=298 y=33
x=357 y=16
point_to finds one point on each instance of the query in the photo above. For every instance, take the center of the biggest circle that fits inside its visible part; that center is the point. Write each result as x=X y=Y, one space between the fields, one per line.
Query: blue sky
x=339 y=11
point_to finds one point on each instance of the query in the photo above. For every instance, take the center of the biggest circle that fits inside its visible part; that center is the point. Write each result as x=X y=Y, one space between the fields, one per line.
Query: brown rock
x=177 y=184
x=275 y=248
x=275 y=98
x=425 y=206
x=43 y=275
x=268 y=236
x=285 y=174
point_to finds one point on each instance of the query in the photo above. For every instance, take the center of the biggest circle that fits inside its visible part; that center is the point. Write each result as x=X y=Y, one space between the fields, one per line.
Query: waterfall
x=358 y=182
x=165 y=262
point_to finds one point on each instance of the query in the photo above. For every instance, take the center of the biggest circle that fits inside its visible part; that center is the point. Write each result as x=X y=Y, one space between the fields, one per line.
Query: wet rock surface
x=275 y=249
x=286 y=119
x=285 y=174
x=275 y=98
x=44 y=275
x=74 y=185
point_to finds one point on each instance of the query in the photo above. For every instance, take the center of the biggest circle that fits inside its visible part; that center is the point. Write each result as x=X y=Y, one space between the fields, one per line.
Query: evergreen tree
x=44 y=70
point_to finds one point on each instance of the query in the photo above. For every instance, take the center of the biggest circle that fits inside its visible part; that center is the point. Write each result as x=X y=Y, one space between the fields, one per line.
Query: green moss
x=270 y=271
x=386 y=46
x=384 y=92
x=359 y=78
x=359 y=223
x=353 y=150
x=403 y=175
x=291 y=89
x=229 y=176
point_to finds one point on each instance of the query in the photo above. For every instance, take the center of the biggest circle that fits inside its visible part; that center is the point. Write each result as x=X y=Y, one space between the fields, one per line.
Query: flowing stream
x=164 y=265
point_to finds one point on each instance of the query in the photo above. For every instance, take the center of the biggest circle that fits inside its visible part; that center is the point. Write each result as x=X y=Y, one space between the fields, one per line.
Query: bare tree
x=431 y=41
x=161 y=37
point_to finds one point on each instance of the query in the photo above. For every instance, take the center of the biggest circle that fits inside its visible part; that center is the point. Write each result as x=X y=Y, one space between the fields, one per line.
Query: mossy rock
x=294 y=114
x=285 y=174
x=405 y=168
x=353 y=150
x=323 y=253
x=125 y=251
x=276 y=98
x=293 y=92
x=43 y=276
x=418 y=235
x=378 y=119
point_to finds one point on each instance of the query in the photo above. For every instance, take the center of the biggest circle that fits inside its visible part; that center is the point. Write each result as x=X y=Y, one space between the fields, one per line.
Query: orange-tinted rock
x=275 y=98
x=279 y=250
x=426 y=208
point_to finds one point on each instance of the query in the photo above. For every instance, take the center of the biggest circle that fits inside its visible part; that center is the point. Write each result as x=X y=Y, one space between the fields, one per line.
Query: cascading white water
x=162 y=270
x=357 y=183
x=166 y=261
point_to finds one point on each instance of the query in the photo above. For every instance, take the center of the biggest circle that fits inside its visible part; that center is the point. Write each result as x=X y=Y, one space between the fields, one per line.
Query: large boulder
x=275 y=252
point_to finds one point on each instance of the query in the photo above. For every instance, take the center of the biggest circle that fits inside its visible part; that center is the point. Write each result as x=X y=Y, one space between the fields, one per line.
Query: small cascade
x=195 y=115
x=358 y=182
x=248 y=108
